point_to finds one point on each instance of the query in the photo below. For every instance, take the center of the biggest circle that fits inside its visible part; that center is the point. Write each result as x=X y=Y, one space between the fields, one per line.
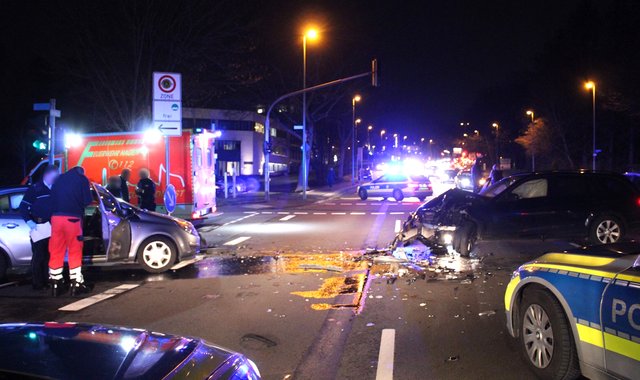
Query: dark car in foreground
x=55 y=350
x=600 y=206
x=578 y=312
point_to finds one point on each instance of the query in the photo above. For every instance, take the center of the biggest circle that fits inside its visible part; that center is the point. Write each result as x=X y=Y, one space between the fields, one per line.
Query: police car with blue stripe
x=398 y=187
x=578 y=312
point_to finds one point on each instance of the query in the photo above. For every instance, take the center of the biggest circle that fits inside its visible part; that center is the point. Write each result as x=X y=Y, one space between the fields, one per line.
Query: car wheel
x=606 y=229
x=363 y=194
x=397 y=195
x=546 y=340
x=468 y=237
x=157 y=254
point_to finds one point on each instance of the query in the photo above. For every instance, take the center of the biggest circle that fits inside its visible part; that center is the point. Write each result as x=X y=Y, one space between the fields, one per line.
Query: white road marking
x=386 y=354
x=376 y=204
x=9 y=284
x=346 y=204
x=396 y=213
x=378 y=213
x=301 y=213
x=283 y=213
x=86 y=302
x=237 y=241
x=358 y=213
x=266 y=212
x=338 y=213
x=249 y=212
x=319 y=213
x=330 y=204
x=361 y=204
x=288 y=217
x=184 y=263
x=396 y=229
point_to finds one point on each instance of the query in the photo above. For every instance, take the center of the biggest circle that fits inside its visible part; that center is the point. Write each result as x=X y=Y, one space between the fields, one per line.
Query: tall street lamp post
x=369 y=128
x=497 y=127
x=591 y=85
x=533 y=154
x=310 y=34
x=353 y=137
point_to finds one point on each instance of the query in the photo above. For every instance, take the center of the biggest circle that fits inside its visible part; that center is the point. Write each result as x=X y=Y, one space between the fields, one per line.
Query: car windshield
x=68 y=351
x=498 y=187
x=419 y=178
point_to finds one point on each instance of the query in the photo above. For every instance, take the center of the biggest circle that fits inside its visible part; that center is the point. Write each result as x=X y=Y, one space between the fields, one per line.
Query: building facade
x=241 y=144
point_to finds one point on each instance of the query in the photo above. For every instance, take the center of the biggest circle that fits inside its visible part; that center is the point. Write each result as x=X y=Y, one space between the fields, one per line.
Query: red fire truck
x=191 y=168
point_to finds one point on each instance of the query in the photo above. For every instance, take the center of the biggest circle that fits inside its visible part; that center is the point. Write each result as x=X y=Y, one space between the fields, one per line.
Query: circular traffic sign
x=170 y=198
x=167 y=83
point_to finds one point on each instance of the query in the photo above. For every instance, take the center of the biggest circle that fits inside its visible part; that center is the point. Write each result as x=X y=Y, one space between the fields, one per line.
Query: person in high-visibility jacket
x=69 y=196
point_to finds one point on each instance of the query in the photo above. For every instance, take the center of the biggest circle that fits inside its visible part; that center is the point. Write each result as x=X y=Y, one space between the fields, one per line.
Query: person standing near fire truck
x=146 y=191
x=69 y=196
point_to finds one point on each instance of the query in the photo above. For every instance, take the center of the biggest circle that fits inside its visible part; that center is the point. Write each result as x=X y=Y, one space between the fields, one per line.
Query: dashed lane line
x=283 y=213
x=319 y=213
x=86 y=302
x=301 y=213
x=396 y=213
x=288 y=217
x=358 y=213
x=338 y=213
x=386 y=354
x=237 y=241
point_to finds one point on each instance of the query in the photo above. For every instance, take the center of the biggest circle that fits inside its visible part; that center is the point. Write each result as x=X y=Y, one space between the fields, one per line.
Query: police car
x=397 y=187
x=578 y=312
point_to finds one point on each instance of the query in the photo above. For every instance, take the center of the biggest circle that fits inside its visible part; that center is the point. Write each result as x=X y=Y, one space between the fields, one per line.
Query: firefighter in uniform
x=69 y=197
x=35 y=209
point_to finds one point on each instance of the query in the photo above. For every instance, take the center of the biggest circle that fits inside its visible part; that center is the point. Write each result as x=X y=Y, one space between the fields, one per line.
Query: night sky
x=436 y=57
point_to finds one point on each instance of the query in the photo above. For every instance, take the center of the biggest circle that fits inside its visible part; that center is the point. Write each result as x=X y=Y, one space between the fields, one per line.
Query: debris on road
x=453 y=358
x=487 y=313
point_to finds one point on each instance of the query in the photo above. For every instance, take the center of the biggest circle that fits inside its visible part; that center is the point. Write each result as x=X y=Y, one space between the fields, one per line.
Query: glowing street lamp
x=310 y=34
x=533 y=155
x=355 y=99
x=530 y=114
x=591 y=86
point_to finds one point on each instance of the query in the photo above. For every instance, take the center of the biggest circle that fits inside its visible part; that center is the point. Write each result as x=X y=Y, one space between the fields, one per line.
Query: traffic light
x=40 y=146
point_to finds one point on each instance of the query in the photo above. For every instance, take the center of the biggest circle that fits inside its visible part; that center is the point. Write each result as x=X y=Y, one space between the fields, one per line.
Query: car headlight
x=187 y=227
x=465 y=182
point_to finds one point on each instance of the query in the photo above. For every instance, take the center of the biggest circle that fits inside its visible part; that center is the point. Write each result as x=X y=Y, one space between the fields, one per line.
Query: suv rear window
x=570 y=186
x=611 y=187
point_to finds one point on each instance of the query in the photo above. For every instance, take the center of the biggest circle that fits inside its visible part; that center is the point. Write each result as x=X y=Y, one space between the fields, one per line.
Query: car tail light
x=638 y=201
x=195 y=215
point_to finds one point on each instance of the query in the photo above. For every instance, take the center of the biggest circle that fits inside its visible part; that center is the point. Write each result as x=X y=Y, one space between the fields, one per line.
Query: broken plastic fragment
x=487 y=313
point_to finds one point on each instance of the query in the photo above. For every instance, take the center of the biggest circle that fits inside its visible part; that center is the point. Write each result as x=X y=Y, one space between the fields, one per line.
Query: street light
x=533 y=154
x=395 y=140
x=369 y=129
x=355 y=99
x=497 y=127
x=310 y=34
x=591 y=85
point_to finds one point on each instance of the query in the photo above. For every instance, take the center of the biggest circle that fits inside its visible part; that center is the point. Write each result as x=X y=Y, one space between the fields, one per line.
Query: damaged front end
x=435 y=223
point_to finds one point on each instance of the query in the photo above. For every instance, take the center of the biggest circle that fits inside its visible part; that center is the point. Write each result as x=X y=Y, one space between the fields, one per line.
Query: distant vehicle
x=55 y=350
x=601 y=206
x=243 y=184
x=449 y=176
x=192 y=168
x=463 y=180
x=578 y=313
x=114 y=232
x=398 y=187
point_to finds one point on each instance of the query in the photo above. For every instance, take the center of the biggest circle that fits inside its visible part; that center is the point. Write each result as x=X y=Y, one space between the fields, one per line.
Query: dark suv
x=599 y=206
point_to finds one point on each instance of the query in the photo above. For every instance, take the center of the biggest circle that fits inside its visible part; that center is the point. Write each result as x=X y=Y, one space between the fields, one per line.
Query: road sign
x=170 y=198
x=167 y=103
x=167 y=86
x=169 y=128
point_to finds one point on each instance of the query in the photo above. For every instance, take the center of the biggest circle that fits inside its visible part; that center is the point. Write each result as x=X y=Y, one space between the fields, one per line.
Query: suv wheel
x=606 y=229
x=397 y=195
x=546 y=341
x=157 y=254
x=363 y=194
x=468 y=236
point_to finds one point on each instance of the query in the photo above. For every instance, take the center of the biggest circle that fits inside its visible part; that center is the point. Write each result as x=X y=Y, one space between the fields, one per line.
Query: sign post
x=53 y=113
x=167 y=117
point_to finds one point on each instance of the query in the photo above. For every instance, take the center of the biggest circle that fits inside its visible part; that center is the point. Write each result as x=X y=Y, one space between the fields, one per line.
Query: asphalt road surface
x=288 y=287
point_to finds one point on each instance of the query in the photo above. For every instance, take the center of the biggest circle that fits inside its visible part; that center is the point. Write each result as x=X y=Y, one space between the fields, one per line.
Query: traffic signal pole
x=267 y=133
x=52 y=131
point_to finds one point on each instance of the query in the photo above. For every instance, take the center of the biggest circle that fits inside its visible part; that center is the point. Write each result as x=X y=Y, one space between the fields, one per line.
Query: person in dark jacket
x=36 y=210
x=146 y=191
x=69 y=197
x=113 y=186
x=476 y=175
x=496 y=174
x=124 y=184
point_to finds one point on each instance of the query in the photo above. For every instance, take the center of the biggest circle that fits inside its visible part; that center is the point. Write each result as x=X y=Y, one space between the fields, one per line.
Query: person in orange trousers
x=69 y=196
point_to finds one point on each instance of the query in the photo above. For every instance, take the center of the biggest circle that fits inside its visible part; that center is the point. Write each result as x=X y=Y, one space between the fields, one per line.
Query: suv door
x=520 y=210
x=14 y=232
x=569 y=205
x=620 y=310
x=116 y=229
